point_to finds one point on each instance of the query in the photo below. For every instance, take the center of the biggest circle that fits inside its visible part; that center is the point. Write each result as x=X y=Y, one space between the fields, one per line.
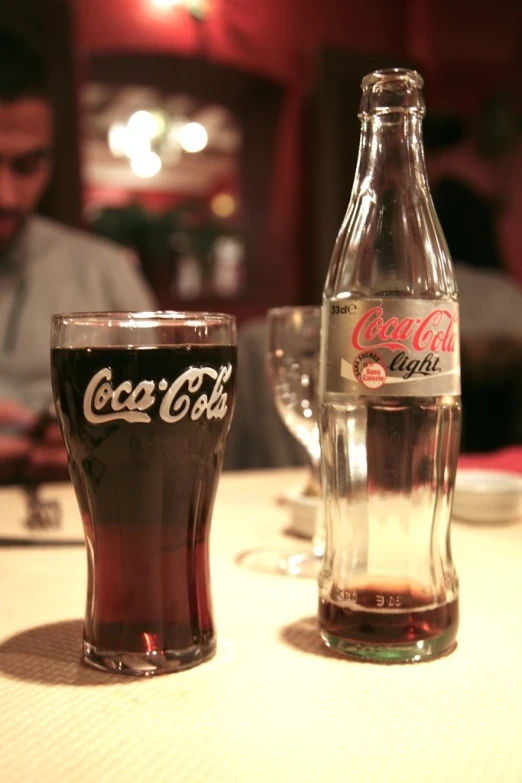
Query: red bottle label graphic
x=393 y=347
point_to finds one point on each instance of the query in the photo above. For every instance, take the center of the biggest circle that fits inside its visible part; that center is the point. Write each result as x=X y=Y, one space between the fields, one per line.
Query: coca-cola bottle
x=390 y=398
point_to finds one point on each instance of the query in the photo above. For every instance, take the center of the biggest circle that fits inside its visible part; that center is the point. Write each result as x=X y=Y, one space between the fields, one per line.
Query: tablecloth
x=275 y=704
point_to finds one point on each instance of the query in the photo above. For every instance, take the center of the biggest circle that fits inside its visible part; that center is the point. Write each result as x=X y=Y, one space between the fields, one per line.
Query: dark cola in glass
x=145 y=403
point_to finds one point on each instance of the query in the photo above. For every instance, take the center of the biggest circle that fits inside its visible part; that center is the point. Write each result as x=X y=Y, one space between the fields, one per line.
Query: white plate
x=488 y=496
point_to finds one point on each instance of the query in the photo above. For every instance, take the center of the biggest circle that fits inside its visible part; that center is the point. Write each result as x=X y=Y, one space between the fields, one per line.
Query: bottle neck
x=391 y=155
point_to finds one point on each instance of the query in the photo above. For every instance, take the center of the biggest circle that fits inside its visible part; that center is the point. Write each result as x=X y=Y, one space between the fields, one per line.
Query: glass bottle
x=390 y=398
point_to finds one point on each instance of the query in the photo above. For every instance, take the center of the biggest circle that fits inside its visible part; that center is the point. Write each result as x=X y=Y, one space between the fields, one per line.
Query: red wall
x=277 y=38
x=462 y=47
x=274 y=37
x=151 y=200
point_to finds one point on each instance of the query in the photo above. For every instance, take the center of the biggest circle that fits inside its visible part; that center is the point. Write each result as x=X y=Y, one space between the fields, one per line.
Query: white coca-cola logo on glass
x=103 y=402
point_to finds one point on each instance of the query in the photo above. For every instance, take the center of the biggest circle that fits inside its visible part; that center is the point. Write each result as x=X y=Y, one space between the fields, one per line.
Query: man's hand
x=15 y=442
x=15 y=416
x=25 y=456
x=48 y=457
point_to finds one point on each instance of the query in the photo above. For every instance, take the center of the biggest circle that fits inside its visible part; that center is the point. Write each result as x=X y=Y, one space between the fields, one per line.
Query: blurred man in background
x=45 y=268
x=468 y=169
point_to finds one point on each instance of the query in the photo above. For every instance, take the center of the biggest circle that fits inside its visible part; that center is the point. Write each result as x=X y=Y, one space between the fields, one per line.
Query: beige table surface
x=275 y=704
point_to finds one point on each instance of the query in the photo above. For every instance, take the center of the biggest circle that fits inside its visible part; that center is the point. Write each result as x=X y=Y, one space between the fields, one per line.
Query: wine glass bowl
x=292 y=364
x=292 y=369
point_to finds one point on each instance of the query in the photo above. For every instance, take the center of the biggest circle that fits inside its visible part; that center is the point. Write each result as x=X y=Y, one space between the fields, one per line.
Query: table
x=275 y=704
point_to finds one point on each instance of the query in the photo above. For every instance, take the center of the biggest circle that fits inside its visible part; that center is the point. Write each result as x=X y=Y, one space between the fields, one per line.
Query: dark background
x=290 y=70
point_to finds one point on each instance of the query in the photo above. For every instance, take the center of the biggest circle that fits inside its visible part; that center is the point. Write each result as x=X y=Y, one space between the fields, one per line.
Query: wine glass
x=292 y=369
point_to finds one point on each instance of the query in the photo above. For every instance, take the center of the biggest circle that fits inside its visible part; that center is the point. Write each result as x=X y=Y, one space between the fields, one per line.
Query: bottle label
x=391 y=347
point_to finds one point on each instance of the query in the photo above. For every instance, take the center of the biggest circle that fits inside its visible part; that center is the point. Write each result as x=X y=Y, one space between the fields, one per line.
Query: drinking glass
x=145 y=402
x=292 y=369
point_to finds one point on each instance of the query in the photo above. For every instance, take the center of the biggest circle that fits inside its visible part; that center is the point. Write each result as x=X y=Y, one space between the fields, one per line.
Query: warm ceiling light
x=147 y=124
x=223 y=205
x=198 y=9
x=193 y=137
x=166 y=4
x=146 y=165
x=123 y=142
x=136 y=145
x=117 y=138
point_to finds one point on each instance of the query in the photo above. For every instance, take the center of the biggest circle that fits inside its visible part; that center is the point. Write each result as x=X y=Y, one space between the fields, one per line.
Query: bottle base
x=149 y=664
x=412 y=652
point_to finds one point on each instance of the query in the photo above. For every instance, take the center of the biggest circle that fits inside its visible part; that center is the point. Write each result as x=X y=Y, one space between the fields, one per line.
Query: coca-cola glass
x=145 y=402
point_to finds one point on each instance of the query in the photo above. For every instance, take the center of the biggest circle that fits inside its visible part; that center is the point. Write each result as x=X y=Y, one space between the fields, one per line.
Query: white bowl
x=303 y=511
x=487 y=496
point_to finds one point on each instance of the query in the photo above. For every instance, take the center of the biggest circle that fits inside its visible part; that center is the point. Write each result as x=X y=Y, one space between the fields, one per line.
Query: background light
x=193 y=137
x=144 y=123
x=135 y=144
x=198 y=9
x=166 y=4
x=146 y=165
x=223 y=205
x=117 y=138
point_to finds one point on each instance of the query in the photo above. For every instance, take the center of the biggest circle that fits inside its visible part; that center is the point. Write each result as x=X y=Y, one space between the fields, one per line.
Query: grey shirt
x=55 y=269
x=490 y=303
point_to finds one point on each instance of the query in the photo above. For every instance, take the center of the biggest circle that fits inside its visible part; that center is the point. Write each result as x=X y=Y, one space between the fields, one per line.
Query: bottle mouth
x=395 y=91
x=389 y=76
